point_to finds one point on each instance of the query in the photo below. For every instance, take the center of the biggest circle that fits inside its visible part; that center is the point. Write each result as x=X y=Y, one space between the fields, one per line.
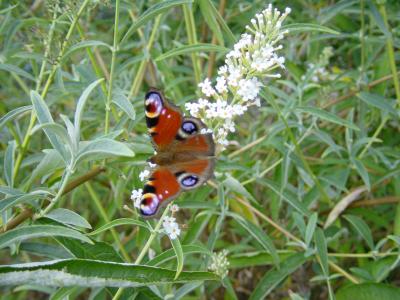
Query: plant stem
x=142 y=67
x=106 y=219
x=113 y=58
x=53 y=202
x=192 y=39
x=146 y=246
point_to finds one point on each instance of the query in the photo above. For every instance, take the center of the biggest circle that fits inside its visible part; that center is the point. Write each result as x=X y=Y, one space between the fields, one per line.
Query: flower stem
x=146 y=246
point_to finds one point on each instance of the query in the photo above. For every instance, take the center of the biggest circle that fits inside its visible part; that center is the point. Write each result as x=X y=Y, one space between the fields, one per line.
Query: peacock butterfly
x=184 y=153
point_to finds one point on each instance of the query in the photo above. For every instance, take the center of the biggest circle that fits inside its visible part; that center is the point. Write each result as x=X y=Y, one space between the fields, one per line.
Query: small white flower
x=222 y=70
x=174 y=232
x=171 y=227
x=136 y=197
x=144 y=174
x=234 y=75
x=206 y=87
x=168 y=221
x=221 y=85
x=249 y=88
x=175 y=208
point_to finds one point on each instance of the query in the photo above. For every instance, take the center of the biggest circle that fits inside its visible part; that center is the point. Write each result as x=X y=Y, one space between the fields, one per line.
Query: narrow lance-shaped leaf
x=260 y=236
x=35 y=231
x=81 y=105
x=320 y=243
x=123 y=103
x=102 y=148
x=362 y=228
x=119 y=222
x=9 y=163
x=201 y=47
x=151 y=13
x=176 y=244
x=274 y=277
x=93 y=273
x=68 y=217
x=327 y=116
x=44 y=116
x=311 y=225
x=11 y=115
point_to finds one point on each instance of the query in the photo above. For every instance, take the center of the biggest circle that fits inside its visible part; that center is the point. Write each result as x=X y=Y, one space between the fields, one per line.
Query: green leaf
x=327 y=116
x=369 y=291
x=46 y=250
x=151 y=13
x=209 y=17
x=311 y=225
x=13 y=200
x=96 y=250
x=16 y=70
x=273 y=277
x=289 y=198
x=81 y=105
x=211 y=9
x=9 y=163
x=51 y=162
x=259 y=235
x=170 y=254
x=85 y=44
x=200 y=47
x=377 y=101
x=320 y=243
x=68 y=217
x=362 y=171
x=56 y=130
x=176 y=244
x=125 y=105
x=103 y=148
x=362 y=228
x=376 y=15
x=119 y=222
x=44 y=116
x=304 y=27
x=234 y=185
x=11 y=115
x=92 y=273
x=35 y=231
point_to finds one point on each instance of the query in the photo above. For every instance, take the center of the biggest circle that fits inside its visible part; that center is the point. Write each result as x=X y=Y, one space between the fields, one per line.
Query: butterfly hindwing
x=166 y=183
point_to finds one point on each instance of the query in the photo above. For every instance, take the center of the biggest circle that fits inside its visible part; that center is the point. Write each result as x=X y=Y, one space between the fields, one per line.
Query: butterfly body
x=185 y=155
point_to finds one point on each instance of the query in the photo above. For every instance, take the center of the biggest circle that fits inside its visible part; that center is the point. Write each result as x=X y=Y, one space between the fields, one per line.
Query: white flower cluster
x=136 y=197
x=171 y=227
x=252 y=60
x=219 y=263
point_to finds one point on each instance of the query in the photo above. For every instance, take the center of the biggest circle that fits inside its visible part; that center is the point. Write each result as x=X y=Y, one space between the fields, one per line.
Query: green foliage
x=322 y=151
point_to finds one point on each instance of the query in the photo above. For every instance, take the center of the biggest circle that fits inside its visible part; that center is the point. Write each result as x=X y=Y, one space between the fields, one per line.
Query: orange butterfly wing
x=187 y=154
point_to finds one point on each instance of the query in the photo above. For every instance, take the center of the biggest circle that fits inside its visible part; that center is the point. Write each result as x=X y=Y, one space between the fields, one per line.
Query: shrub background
x=305 y=199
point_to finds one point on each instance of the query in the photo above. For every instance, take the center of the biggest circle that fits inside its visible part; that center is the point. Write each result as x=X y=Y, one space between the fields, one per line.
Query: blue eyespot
x=149 y=204
x=189 y=180
x=189 y=127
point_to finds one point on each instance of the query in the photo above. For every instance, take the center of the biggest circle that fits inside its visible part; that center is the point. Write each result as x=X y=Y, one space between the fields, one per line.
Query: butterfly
x=184 y=153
